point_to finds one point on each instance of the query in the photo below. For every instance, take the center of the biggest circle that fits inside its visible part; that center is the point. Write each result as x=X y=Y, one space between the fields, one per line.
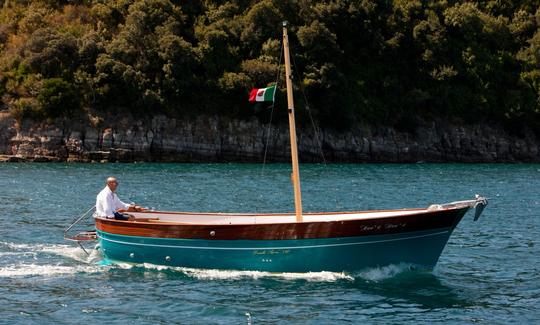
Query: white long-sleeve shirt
x=107 y=203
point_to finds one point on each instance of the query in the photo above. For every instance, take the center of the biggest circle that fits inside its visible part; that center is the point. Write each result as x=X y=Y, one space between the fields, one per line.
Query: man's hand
x=135 y=208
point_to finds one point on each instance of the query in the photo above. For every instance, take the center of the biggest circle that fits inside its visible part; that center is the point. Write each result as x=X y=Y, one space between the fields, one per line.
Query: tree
x=58 y=98
x=51 y=53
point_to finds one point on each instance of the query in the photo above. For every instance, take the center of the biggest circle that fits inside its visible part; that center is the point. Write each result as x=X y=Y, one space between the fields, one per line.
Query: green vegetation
x=383 y=62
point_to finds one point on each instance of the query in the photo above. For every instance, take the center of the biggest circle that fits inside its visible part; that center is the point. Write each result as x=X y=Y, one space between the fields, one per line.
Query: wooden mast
x=292 y=128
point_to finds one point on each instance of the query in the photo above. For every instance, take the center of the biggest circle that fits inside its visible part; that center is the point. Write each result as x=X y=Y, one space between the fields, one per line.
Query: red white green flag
x=262 y=94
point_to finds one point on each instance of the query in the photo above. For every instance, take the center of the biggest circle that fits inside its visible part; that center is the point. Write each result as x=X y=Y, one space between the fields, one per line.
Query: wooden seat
x=146 y=219
x=168 y=221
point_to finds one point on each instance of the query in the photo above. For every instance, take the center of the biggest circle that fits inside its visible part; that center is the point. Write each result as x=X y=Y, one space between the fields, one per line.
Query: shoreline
x=214 y=140
x=11 y=159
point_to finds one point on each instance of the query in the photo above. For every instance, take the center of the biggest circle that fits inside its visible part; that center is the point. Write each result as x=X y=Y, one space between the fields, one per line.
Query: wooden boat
x=293 y=242
x=345 y=241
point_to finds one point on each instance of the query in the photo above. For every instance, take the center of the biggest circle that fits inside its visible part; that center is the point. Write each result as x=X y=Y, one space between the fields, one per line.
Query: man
x=109 y=206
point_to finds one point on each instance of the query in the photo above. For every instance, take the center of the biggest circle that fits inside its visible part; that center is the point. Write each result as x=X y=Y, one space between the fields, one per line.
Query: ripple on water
x=488 y=273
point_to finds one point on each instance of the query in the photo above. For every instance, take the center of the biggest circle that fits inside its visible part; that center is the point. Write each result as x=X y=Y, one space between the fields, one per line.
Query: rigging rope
x=315 y=128
x=272 y=111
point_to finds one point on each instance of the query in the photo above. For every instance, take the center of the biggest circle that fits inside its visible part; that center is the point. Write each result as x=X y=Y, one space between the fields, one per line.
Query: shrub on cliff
x=25 y=108
x=58 y=98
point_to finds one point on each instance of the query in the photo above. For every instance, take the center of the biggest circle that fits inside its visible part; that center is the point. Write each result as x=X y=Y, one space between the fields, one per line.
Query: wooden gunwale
x=287 y=231
x=270 y=214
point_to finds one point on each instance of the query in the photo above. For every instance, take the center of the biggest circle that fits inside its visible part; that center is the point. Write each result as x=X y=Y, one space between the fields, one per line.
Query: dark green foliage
x=52 y=54
x=386 y=62
x=58 y=98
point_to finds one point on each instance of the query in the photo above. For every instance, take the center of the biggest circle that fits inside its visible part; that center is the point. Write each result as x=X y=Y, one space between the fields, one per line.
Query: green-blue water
x=489 y=272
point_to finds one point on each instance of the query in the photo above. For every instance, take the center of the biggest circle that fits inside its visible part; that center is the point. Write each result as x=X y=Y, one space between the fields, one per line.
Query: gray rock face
x=7 y=132
x=210 y=139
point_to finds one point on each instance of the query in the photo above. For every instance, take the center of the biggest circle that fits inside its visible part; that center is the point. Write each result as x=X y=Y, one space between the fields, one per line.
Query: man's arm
x=124 y=207
x=119 y=205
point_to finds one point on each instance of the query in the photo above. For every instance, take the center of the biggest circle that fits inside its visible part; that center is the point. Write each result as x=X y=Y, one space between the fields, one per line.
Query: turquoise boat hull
x=421 y=248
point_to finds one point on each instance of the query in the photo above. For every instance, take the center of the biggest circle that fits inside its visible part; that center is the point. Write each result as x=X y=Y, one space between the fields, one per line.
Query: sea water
x=489 y=273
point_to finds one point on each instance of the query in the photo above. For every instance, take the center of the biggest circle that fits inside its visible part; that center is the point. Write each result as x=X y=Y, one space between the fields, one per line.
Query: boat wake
x=45 y=260
x=379 y=274
x=376 y=274
x=207 y=274
x=44 y=270
x=56 y=259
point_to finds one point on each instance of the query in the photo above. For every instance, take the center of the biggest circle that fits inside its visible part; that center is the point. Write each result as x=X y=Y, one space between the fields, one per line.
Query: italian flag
x=262 y=94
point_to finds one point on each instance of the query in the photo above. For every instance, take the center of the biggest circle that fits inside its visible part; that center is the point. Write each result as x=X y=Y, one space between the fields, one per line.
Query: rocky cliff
x=210 y=139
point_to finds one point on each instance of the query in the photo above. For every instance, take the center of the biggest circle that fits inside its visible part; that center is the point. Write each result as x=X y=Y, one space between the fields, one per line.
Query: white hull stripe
x=263 y=248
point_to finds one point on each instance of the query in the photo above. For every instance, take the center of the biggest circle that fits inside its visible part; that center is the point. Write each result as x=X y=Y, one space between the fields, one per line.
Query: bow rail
x=479 y=203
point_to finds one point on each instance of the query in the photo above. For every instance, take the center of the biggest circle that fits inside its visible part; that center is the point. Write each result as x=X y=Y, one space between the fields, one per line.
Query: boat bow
x=479 y=203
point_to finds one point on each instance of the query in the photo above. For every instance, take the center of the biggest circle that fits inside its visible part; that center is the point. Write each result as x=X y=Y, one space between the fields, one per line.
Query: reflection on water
x=422 y=288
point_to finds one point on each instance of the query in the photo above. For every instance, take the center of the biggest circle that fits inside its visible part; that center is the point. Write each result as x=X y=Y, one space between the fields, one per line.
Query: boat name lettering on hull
x=385 y=226
x=395 y=225
x=271 y=252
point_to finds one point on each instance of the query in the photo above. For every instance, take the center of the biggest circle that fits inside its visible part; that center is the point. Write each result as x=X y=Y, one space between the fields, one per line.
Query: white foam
x=27 y=266
x=69 y=251
x=309 y=276
x=14 y=246
x=45 y=270
x=74 y=252
x=16 y=254
x=377 y=274
x=213 y=274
